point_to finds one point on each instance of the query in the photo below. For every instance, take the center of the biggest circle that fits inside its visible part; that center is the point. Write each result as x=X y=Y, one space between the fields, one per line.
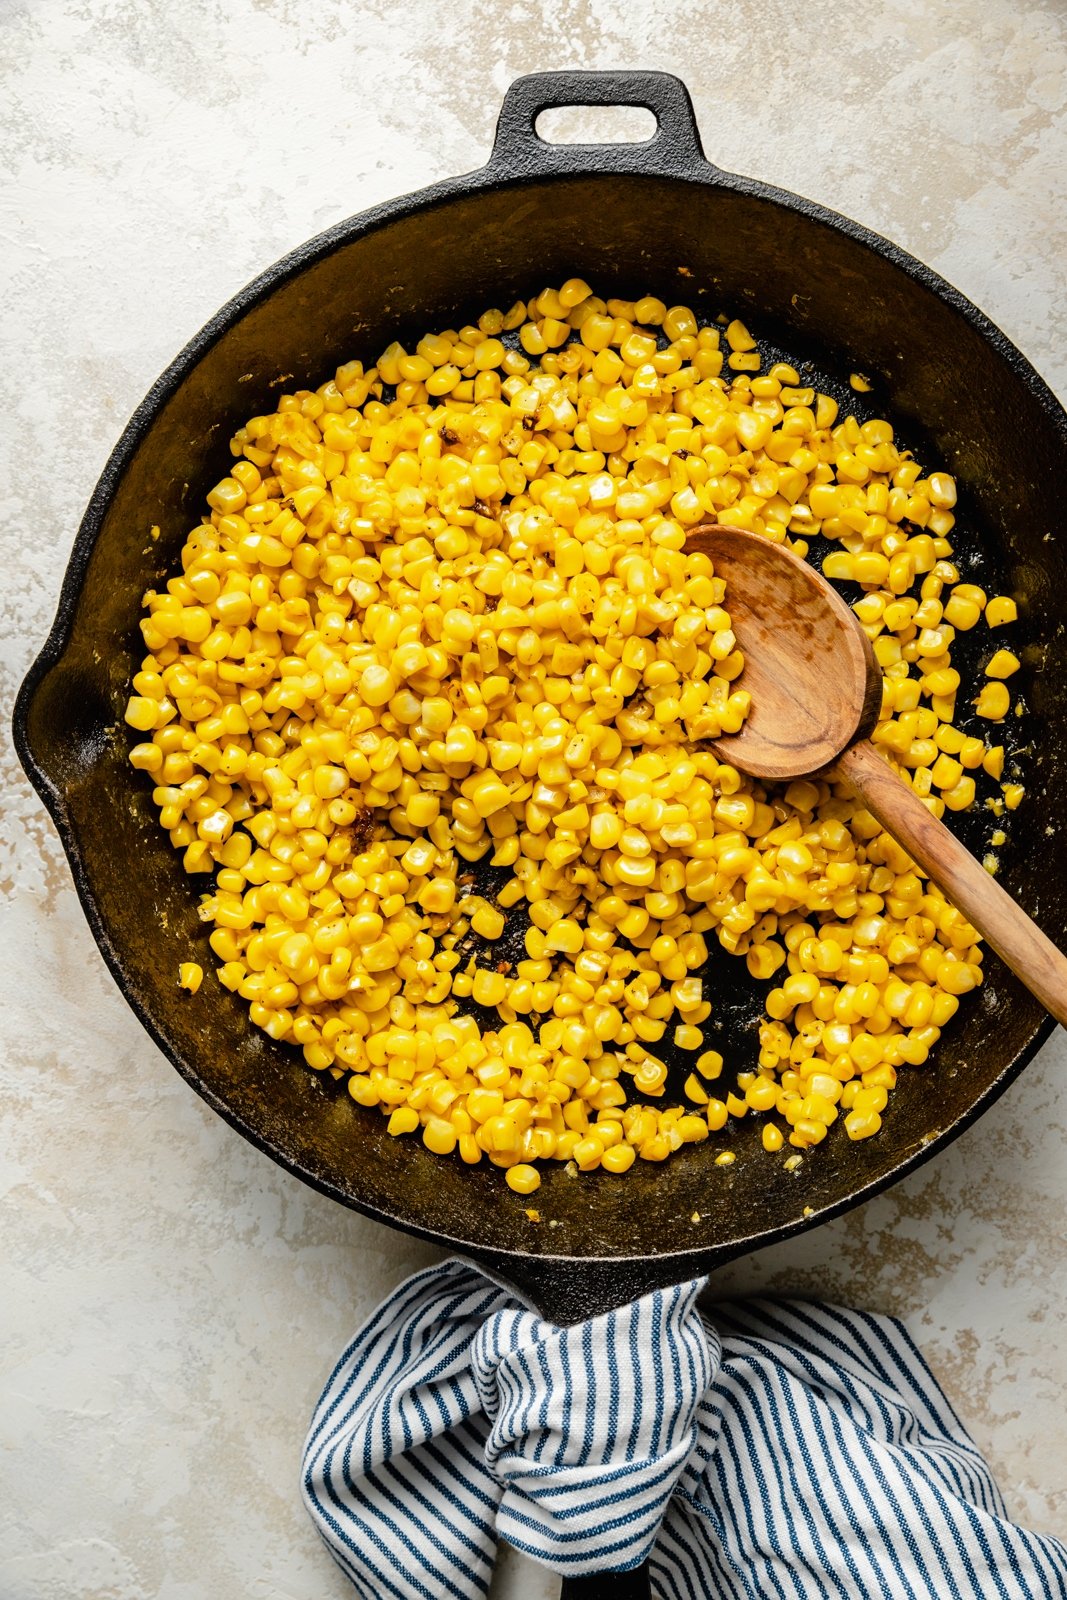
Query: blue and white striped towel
x=776 y=1451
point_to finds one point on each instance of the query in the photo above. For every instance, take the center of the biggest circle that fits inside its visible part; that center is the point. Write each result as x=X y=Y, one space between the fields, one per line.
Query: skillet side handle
x=635 y=1585
x=565 y=1292
x=674 y=149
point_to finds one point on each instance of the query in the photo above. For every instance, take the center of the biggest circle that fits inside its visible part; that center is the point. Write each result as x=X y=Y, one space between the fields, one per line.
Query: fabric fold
x=592 y=1425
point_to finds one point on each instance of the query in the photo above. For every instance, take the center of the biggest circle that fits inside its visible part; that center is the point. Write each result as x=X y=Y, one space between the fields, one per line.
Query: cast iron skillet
x=630 y=218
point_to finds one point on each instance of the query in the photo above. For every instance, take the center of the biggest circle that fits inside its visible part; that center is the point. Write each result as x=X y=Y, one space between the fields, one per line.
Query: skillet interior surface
x=813 y=293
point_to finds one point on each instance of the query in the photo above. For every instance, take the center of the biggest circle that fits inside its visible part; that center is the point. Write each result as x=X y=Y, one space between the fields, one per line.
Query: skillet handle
x=635 y=1585
x=565 y=1292
x=674 y=149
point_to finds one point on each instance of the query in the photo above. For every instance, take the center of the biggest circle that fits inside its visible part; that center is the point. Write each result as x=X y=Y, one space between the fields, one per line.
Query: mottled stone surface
x=172 y=1302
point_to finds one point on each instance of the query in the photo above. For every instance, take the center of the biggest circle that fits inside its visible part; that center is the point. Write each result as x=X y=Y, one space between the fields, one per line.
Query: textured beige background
x=171 y=1301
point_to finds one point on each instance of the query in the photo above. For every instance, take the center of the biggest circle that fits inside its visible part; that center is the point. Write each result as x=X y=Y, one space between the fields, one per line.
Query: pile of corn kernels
x=441 y=611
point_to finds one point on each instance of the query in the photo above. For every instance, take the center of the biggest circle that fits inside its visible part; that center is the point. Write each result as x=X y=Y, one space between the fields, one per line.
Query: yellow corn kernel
x=488 y=922
x=146 y=757
x=438 y=896
x=489 y=988
x=564 y=935
x=1001 y=609
x=587 y=1153
x=605 y=830
x=523 y=1179
x=716 y=1114
x=945 y=772
x=709 y=1064
x=862 y=1124
x=377 y=685
x=761 y=1094
x=994 y=701
x=738 y=337
x=142 y=713
x=960 y=795
x=190 y=976
x=764 y=960
x=1002 y=665
x=962 y=612
x=941 y=490
x=695 y=1091
x=439 y=1136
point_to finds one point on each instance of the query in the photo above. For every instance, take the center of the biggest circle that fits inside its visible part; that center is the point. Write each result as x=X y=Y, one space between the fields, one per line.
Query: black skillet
x=631 y=218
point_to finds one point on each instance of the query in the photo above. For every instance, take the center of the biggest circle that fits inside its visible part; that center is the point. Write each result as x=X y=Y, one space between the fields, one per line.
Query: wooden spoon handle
x=1018 y=941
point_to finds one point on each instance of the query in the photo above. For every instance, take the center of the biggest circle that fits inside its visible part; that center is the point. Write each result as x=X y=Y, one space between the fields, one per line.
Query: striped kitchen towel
x=775 y=1450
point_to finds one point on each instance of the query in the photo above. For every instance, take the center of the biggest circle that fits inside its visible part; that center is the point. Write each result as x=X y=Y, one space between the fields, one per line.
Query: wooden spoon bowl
x=809 y=666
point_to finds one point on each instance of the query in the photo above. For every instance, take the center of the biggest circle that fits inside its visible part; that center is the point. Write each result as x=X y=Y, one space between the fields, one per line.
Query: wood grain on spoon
x=816 y=689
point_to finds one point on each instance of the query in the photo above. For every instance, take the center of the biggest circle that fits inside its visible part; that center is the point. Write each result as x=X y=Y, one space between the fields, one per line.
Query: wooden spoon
x=816 y=689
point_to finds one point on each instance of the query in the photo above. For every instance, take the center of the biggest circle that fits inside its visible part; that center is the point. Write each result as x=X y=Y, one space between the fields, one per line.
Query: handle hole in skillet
x=596 y=125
